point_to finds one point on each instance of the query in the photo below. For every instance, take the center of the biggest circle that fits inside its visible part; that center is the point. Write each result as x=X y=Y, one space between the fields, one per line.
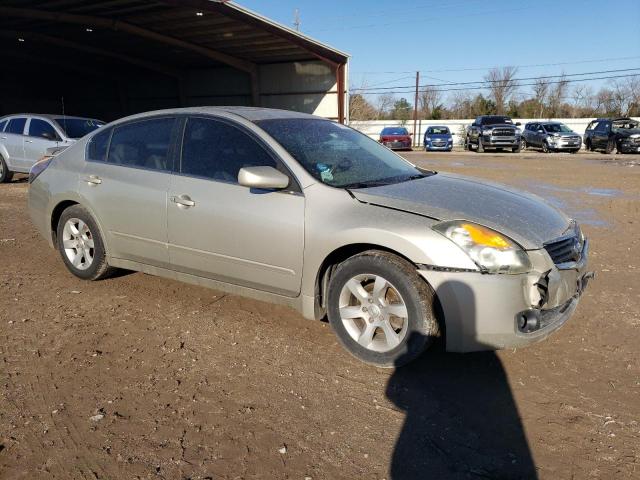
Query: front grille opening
x=564 y=250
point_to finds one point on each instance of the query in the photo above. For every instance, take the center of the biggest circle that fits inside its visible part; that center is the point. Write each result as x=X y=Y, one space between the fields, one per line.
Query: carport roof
x=190 y=33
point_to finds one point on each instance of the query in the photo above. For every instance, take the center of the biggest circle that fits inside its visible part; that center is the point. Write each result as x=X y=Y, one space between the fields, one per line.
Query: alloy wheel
x=373 y=312
x=78 y=243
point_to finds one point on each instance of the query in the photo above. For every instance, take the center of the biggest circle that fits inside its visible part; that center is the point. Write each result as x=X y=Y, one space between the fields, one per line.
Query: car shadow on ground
x=461 y=419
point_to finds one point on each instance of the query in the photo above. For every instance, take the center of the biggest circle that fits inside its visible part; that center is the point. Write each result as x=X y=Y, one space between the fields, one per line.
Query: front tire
x=81 y=245
x=5 y=174
x=545 y=147
x=380 y=309
x=611 y=147
x=480 y=148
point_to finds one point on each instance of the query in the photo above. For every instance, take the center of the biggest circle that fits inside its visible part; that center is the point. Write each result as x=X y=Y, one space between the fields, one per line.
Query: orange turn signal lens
x=487 y=237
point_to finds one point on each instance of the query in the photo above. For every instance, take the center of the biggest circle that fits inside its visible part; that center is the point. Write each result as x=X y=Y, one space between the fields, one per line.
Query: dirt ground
x=142 y=377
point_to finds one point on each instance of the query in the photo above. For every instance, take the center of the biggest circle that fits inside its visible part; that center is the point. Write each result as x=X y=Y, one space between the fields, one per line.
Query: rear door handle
x=183 y=201
x=93 y=180
x=28 y=141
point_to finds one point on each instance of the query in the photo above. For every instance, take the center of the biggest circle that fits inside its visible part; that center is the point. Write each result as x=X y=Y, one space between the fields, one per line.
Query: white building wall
x=309 y=87
x=372 y=128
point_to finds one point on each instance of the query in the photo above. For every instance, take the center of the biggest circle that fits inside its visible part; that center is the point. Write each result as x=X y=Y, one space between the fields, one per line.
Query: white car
x=26 y=138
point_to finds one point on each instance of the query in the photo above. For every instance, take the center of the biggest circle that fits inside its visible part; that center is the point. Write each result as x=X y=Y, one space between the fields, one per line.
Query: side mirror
x=518 y=124
x=266 y=178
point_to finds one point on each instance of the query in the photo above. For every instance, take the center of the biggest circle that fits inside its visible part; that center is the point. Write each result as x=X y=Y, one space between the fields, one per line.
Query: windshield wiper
x=372 y=183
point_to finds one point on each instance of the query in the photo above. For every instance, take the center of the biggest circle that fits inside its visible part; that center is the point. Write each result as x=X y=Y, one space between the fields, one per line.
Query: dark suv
x=493 y=131
x=613 y=135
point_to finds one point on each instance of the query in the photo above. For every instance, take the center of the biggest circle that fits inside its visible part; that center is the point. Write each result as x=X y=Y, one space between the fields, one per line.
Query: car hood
x=525 y=218
x=629 y=133
x=499 y=125
x=565 y=134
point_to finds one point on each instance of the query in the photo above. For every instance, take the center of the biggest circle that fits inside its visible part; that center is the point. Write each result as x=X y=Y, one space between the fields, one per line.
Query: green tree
x=401 y=110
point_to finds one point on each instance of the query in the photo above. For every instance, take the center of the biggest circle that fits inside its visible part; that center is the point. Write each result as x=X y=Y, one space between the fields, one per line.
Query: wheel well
x=55 y=216
x=332 y=260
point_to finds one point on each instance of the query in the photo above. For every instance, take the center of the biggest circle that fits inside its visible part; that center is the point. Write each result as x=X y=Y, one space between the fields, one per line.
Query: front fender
x=334 y=219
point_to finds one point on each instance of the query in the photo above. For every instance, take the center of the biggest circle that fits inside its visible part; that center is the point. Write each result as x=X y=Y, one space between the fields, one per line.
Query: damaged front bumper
x=496 y=311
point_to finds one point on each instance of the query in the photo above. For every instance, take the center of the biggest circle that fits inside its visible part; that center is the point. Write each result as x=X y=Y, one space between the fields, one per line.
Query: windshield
x=495 y=120
x=437 y=131
x=338 y=155
x=557 y=128
x=394 y=131
x=78 y=127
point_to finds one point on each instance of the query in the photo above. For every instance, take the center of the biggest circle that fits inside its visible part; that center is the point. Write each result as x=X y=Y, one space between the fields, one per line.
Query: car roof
x=437 y=126
x=253 y=114
x=49 y=116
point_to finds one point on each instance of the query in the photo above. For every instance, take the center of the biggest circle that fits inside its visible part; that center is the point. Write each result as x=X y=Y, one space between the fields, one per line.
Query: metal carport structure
x=110 y=58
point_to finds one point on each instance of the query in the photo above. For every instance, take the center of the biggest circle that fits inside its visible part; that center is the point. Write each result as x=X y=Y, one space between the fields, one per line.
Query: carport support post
x=415 y=112
x=255 y=87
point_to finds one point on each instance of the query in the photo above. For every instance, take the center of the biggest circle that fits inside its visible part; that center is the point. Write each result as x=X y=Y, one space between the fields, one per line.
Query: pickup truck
x=493 y=132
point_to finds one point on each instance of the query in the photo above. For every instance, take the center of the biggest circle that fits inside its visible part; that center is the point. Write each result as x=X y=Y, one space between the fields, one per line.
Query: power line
x=488 y=83
x=532 y=65
x=515 y=86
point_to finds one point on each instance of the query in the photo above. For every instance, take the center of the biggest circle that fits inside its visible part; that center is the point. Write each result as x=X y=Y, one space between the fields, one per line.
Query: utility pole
x=296 y=19
x=415 y=112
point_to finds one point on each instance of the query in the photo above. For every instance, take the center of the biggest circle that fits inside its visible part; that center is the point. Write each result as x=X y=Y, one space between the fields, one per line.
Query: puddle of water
x=598 y=192
x=603 y=192
x=585 y=216
x=572 y=205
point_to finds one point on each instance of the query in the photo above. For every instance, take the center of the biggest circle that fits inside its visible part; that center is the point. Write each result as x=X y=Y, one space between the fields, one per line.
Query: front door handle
x=93 y=180
x=28 y=141
x=183 y=201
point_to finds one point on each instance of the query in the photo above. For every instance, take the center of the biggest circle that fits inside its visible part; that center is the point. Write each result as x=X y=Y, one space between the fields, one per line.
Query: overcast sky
x=458 y=40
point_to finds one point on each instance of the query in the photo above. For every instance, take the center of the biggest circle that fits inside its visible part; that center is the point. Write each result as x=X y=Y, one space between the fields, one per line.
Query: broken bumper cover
x=485 y=311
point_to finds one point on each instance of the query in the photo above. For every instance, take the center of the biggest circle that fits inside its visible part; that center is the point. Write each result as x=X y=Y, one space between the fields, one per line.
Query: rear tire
x=5 y=174
x=381 y=310
x=81 y=246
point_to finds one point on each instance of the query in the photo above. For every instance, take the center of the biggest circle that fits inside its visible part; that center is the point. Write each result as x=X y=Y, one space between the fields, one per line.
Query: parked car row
x=499 y=132
x=26 y=138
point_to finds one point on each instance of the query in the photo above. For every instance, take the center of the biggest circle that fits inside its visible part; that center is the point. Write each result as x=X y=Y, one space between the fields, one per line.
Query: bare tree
x=625 y=95
x=502 y=85
x=385 y=104
x=557 y=94
x=540 y=92
x=429 y=101
x=582 y=100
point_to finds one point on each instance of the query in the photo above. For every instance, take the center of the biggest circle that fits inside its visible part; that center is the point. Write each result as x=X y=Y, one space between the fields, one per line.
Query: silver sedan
x=297 y=210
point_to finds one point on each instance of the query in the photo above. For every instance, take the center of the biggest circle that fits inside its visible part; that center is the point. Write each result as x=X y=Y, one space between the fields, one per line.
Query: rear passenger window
x=142 y=144
x=98 y=145
x=216 y=150
x=40 y=128
x=16 y=125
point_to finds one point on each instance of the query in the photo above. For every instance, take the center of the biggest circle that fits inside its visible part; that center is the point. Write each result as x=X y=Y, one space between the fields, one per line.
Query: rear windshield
x=438 y=130
x=394 y=131
x=495 y=120
x=78 y=127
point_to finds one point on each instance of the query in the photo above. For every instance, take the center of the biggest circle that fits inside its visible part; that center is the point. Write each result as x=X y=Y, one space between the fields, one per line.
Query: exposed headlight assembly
x=490 y=250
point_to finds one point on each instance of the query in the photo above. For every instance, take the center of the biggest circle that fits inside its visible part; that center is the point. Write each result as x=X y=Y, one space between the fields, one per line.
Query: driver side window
x=42 y=129
x=216 y=150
